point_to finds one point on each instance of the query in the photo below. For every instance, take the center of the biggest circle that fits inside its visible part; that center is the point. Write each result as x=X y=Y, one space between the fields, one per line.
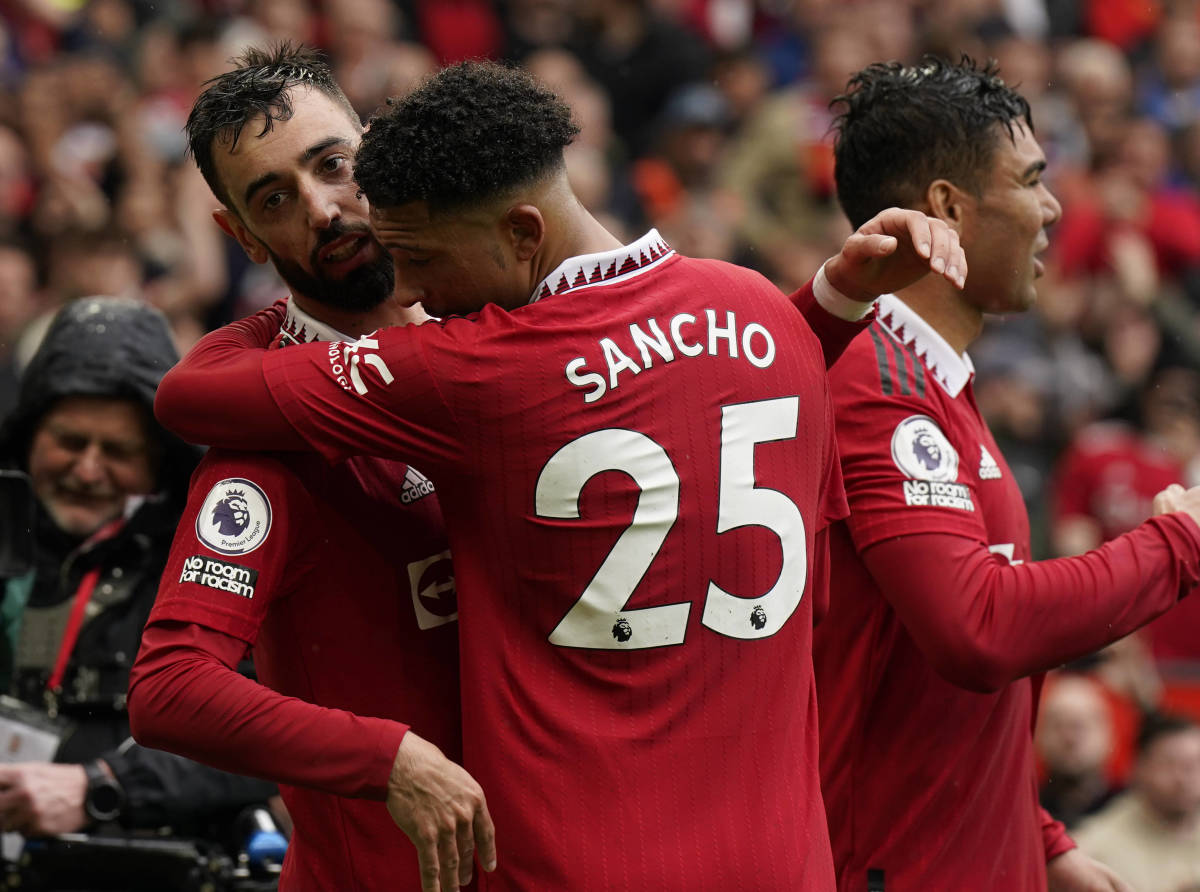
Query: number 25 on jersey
x=599 y=618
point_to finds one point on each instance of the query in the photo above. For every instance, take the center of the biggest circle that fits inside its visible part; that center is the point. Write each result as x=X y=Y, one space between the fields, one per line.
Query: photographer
x=109 y=485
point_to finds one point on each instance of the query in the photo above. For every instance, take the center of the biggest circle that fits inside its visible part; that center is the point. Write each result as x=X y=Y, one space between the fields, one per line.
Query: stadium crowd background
x=709 y=120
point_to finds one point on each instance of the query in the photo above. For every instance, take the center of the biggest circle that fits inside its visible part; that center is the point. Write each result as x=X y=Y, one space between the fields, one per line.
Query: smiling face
x=87 y=456
x=1004 y=228
x=294 y=202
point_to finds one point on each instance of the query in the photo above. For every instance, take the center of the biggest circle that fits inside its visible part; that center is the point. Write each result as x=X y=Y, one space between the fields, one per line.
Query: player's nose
x=1051 y=209
x=320 y=207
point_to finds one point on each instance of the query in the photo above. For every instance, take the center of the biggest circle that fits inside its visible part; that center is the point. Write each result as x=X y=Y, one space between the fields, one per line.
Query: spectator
x=18 y=305
x=1074 y=740
x=1151 y=834
x=110 y=483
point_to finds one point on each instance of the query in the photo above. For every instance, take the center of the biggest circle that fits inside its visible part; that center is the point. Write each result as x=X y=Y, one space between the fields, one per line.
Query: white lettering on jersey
x=647 y=339
x=617 y=361
x=354 y=358
x=220 y=575
x=932 y=494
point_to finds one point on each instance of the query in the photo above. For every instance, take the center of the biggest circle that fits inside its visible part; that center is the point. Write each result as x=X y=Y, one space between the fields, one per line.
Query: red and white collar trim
x=606 y=267
x=952 y=371
x=301 y=328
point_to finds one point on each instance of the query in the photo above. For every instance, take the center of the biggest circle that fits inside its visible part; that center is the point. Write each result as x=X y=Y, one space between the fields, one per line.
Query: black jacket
x=114 y=348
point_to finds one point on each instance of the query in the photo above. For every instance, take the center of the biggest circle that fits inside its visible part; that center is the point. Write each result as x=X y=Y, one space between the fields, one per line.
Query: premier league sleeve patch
x=924 y=455
x=235 y=517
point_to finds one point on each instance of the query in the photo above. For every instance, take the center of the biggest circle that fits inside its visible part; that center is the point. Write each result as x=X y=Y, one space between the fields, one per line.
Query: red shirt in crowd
x=339 y=578
x=937 y=620
x=1110 y=475
x=636 y=469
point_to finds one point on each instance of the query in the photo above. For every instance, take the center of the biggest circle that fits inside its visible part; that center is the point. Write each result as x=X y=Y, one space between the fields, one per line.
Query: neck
x=945 y=308
x=571 y=230
x=356 y=323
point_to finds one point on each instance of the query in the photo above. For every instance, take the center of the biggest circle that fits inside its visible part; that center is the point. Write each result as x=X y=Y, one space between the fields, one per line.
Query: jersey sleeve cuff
x=837 y=304
x=391 y=734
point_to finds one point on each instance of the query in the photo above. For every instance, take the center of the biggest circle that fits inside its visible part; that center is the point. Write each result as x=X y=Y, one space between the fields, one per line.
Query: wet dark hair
x=259 y=85
x=469 y=134
x=900 y=127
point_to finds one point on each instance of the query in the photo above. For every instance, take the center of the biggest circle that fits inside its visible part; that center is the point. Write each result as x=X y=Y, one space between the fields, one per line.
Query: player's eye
x=334 y=164
x=272 y=201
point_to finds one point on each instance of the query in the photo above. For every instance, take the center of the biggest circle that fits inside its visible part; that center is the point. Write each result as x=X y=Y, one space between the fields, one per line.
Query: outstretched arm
x=983 y=623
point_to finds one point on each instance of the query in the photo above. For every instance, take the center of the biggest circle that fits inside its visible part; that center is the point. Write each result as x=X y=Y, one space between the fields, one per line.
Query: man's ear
x=948 y=203
x=236 y=229
x=526 y=230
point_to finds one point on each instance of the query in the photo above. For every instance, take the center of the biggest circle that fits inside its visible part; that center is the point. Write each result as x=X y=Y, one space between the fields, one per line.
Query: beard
x=363 y=288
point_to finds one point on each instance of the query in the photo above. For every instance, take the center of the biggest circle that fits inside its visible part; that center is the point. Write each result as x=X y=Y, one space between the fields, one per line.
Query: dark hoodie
x=119 y=348
x=100 y=346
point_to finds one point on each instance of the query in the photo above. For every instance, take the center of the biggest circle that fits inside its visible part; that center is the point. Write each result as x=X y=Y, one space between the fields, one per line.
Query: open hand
x=443 y=811
x=892 y=250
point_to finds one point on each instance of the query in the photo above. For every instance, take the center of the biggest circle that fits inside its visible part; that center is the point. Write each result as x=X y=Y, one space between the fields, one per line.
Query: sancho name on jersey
x=688 y=336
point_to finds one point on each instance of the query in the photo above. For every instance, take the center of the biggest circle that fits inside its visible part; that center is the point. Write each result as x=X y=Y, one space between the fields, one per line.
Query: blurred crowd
x=708 y=119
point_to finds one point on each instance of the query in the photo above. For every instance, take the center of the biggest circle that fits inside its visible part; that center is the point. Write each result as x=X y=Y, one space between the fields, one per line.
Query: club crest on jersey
x=922 y=452
x=235 y=517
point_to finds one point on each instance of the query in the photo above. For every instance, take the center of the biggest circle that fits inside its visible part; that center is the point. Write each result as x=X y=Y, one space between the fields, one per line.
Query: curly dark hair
x=259 y=85
x=902 y=127
x=469 y=134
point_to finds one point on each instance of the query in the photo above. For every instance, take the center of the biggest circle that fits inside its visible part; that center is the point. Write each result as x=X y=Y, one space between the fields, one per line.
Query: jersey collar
x=951 y=370
x=301 y=328
x=618 y=265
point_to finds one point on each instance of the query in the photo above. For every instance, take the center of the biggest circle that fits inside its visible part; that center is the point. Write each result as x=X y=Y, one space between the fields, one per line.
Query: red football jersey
x=633 y=469
x=929 y=785
x=339 y=578
x=1111 y=474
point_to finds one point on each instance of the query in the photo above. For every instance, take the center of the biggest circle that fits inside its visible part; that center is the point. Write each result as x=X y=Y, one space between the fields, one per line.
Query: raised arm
x=888 y=252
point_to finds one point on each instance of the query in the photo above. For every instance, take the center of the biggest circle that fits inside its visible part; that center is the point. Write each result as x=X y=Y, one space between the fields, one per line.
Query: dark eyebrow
x=311 y=152
x=318 y=147
x=257 y=184
x=1035 y=167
